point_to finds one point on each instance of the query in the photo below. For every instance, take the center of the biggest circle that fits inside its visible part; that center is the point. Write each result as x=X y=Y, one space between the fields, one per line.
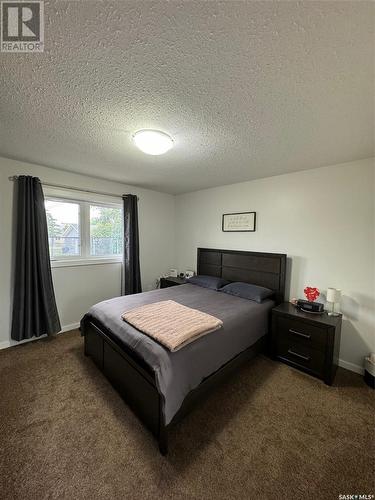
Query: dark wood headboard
x=262 y=269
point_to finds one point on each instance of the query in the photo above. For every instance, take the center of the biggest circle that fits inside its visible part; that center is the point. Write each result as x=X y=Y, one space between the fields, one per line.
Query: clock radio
x=314 y=307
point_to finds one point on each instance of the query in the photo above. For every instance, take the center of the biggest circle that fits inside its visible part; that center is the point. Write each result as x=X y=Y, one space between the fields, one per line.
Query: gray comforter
x=177 y=373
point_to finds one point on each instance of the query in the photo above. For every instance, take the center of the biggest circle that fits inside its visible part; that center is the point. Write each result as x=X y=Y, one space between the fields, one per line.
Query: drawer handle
x=305 y=358
x=304 y=335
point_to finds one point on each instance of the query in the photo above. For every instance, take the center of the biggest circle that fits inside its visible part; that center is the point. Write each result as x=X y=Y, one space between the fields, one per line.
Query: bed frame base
x=137 y=385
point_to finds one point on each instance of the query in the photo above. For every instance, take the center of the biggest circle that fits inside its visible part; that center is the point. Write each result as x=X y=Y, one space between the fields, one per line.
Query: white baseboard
x=5 y=344
x=11 y=343
x=351 y=366
x=67 y=328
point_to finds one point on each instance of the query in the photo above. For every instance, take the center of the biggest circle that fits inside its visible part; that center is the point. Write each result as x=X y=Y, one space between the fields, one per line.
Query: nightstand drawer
x=167 y=284
x=302 y=356
x=299 y=332
x=171 y=281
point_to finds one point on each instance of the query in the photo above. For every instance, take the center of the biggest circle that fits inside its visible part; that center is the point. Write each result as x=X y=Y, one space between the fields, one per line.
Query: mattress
x=177 y=373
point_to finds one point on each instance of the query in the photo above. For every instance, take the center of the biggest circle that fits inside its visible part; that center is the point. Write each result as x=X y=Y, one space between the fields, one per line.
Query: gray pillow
x=247 y=291
x=208 y=281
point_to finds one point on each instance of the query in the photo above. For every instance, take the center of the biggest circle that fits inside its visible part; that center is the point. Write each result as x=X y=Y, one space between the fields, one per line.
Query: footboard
x=135 y=384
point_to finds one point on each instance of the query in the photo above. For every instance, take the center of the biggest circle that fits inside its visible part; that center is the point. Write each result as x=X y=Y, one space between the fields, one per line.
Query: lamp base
x=333 y=312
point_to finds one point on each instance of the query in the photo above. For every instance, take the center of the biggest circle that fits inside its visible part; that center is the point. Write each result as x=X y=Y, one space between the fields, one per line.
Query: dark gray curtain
x=131 y=273
x=34 y=306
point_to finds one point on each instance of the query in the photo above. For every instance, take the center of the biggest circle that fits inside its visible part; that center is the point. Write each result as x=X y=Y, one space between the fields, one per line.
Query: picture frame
x=239 y=222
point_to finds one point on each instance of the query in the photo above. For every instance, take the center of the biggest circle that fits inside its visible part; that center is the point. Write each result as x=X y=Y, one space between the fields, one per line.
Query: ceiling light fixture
x=153 y=142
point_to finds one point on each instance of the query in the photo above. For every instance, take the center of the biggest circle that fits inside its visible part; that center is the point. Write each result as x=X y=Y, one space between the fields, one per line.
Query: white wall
x=77 y=288
x=322 y=218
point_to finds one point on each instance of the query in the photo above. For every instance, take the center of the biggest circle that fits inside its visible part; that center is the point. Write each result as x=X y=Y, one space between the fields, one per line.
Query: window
x=105 y=230
x=63 y=228
x=80 y=230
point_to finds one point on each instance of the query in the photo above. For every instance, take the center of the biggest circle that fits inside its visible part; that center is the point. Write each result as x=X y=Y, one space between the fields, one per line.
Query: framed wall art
x=239 y=222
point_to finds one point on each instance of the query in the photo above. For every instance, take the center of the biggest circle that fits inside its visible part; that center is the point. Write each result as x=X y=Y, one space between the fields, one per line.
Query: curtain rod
x=71 y=188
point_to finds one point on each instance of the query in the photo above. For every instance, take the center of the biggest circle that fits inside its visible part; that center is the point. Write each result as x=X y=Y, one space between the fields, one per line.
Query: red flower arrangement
x=311 y=293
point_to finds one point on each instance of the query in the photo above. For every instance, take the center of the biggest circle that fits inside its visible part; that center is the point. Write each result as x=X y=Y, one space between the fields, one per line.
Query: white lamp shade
x=333 y=295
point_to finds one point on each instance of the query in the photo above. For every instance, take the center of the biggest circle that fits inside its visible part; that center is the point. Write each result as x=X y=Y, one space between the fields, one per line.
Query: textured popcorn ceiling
x=247 y=89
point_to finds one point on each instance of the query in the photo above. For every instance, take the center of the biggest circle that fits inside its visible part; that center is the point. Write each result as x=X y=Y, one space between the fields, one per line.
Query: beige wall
x=77 y=288
x=322 y=218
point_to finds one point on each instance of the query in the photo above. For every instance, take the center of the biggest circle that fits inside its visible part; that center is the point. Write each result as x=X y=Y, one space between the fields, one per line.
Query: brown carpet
x=269 y=433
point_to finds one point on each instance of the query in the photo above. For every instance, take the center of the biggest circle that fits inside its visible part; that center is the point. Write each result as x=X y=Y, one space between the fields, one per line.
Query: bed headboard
x=263 y=269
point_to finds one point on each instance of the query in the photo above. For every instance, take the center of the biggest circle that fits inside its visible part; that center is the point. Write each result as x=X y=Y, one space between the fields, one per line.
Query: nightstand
x=171 y=281
x=309 y=342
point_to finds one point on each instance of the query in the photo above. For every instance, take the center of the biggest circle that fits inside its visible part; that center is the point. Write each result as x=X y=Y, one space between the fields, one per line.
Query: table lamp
x=334 y=296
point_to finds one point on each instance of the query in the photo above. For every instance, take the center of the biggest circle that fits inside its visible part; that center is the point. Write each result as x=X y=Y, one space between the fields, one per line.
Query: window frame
x=84 y=233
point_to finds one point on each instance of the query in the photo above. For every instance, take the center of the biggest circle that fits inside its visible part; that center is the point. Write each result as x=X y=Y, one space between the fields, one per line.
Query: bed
x=162 y=386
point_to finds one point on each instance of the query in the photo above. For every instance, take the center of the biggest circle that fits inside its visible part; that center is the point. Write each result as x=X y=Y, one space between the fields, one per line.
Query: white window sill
x=85 y=262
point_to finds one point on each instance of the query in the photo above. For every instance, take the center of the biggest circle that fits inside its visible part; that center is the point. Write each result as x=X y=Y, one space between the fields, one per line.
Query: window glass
x=63 y=228
x=106 y=237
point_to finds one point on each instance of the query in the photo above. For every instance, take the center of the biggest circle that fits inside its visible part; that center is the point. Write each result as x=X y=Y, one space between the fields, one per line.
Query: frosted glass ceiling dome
x=153 y=142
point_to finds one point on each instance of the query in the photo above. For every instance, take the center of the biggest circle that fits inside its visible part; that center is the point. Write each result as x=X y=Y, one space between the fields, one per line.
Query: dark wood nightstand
x=171 y=281
x=309 y=342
